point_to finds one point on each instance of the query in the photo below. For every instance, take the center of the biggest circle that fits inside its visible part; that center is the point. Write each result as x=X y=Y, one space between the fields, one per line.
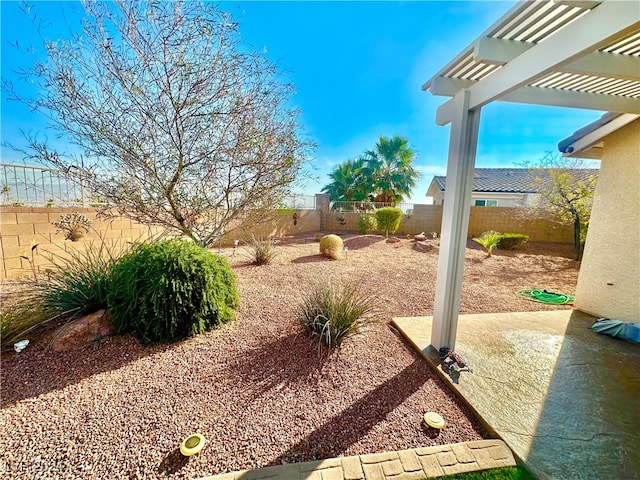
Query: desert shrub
x=488 y=240
x=511 y=240
x=170 y=290
x=367 y=224
x=330 y=314
x=331 y=246
x=78 y=283
x=21 y=312
x=262 y=250
x=73 y=225
x=388 y=219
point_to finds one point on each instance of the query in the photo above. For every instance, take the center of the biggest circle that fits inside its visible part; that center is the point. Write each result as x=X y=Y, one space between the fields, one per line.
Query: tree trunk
x=577 y=247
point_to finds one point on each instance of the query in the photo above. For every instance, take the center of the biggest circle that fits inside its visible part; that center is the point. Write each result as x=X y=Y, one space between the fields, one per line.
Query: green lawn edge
x=505 y=473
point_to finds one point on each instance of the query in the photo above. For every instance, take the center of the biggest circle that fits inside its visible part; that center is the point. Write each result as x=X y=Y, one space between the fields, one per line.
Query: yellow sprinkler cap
x=434 y=420
x=192 y=445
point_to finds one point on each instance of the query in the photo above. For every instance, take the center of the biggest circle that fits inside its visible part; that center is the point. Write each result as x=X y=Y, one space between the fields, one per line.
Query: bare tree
x=566 y=190
x=178 y=123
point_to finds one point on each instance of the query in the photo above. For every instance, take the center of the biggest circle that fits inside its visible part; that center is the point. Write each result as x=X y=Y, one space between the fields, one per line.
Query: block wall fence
x=428 y=219
x=19 y=226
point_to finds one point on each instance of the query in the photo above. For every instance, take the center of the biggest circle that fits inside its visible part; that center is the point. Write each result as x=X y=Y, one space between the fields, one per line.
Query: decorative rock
x=82 y=331
x=421 y=237
x=393 y=240
x=423 y=246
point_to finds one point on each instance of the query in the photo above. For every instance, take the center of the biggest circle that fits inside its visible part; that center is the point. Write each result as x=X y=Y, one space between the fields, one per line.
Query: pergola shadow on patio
x=563 y=398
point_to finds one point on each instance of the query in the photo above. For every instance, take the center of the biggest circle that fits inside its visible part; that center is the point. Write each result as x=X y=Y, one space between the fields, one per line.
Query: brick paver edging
x=413 y=464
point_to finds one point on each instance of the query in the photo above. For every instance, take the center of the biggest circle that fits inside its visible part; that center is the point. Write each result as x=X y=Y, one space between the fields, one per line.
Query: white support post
x=463 y=142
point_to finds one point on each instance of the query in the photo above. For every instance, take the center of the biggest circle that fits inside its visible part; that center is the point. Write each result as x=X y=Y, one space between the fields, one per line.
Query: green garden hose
x=545 y=296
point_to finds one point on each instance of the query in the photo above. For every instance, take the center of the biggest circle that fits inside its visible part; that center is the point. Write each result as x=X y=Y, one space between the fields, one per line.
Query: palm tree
x=348 y=182
x=391 y=166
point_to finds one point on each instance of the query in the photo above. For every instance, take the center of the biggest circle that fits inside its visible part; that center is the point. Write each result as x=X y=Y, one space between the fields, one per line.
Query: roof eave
x=587 y=141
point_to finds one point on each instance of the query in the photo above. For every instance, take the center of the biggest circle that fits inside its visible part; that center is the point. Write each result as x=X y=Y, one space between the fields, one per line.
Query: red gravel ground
x=258 y=389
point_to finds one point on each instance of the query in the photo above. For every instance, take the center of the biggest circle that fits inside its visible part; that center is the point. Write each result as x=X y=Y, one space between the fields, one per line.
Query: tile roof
x=510 y=180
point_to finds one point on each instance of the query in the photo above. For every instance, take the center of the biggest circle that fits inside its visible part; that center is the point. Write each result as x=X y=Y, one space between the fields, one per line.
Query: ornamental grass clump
x=21 y=312
x=488 y=240
x=331 y=246
x=330 y=314
x=262 y=250
x=78 y=282
x=170 y=290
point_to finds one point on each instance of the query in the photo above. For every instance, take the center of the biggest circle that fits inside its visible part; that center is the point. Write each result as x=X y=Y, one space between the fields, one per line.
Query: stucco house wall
x=503 y=199
x=609 y=281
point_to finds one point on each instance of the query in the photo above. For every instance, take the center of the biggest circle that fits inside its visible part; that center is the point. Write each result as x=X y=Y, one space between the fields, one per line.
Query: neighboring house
x=503 y=187
x=609 y=279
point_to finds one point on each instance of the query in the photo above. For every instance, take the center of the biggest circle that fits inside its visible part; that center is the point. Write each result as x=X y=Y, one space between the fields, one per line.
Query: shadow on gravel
x=38 y=369
x=172 y=463
x=340 y=432
x=311 y=259
x=362 y=241
x=270 y=365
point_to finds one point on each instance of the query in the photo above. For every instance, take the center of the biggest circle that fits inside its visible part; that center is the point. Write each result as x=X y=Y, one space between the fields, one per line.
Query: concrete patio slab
x=565 y=399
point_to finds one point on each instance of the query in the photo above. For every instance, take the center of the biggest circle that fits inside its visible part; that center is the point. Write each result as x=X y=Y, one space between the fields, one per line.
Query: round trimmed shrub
x=170 y=290
x=388 y=219
x=367 y=224
x=331 y=246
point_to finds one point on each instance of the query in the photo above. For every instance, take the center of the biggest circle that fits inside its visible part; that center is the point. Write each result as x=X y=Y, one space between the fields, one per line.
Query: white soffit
x=580 y=54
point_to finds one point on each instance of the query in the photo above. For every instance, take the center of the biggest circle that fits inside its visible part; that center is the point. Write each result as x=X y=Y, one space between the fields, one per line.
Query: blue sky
x=358 y=68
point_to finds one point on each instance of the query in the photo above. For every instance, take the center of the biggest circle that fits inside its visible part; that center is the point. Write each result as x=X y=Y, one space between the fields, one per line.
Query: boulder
x=393 y=240
x=82 y=331
x=423 y=246
x=421 y=237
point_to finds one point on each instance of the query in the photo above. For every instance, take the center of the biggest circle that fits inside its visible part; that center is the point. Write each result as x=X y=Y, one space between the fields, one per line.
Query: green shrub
x=388 y=219
x=331 y=246
x=170 y=290
x=488 y=240
x=78 y=283
x=509 y=241
x=331 y=314
x=367 y=224
x=262 y=250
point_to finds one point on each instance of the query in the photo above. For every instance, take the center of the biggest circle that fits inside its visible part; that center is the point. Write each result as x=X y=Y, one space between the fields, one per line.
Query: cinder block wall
x=19 y=226
x=308 y=221
x=428 y=219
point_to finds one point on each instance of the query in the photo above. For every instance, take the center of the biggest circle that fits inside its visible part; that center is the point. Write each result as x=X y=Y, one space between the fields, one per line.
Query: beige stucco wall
x=609 y=280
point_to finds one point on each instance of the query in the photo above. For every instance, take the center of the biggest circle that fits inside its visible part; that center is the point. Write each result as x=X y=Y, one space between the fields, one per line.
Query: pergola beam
x=543 y=96
x=497 y=51
x=596 y=29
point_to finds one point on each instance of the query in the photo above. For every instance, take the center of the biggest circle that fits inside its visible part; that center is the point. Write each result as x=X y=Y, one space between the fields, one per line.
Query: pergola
x=578 y=54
